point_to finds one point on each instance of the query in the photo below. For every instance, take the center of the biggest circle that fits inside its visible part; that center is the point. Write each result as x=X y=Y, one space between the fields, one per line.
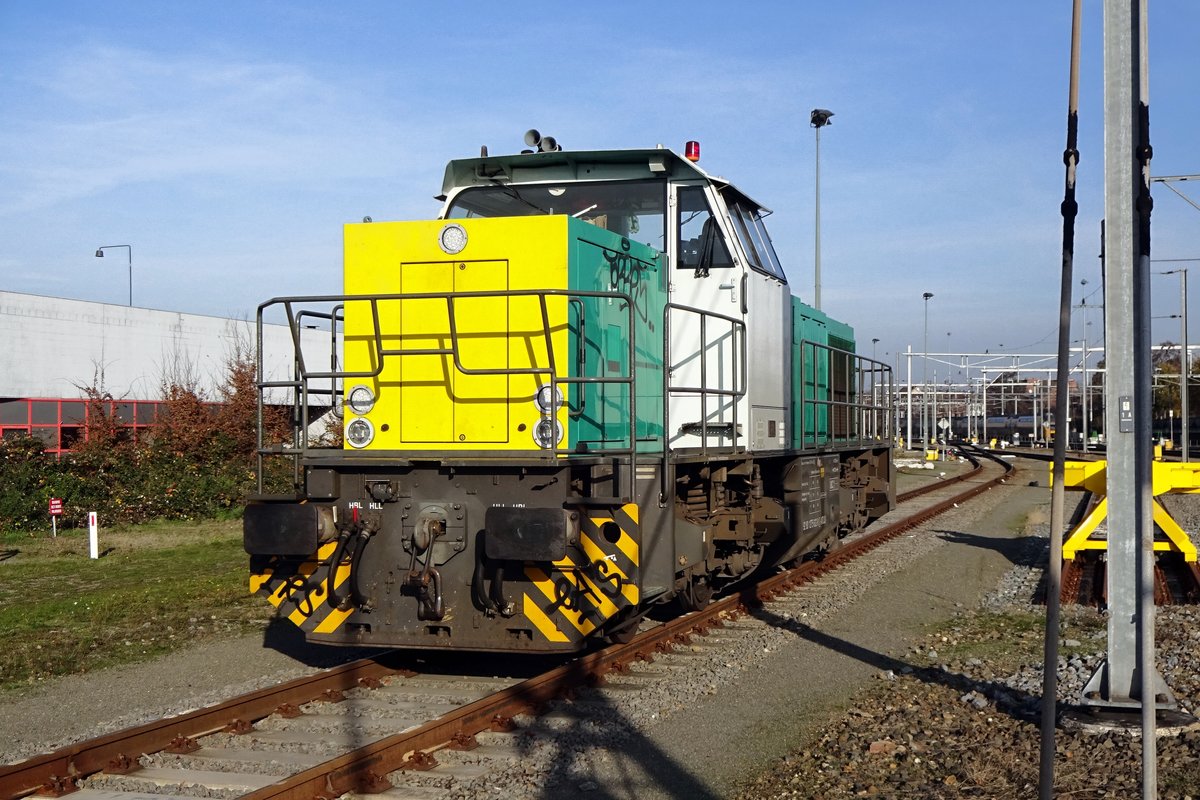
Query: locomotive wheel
x=699 y=594
x=627 y=628
x=835 y=543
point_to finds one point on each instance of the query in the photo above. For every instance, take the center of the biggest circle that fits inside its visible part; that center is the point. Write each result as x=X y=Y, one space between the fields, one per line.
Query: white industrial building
x=54 y=348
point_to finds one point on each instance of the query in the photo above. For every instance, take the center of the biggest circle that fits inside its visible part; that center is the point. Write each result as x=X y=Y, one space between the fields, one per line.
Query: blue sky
x=227 y=142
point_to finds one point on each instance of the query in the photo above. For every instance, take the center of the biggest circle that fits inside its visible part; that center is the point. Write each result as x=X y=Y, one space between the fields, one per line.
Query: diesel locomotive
x=583 y=390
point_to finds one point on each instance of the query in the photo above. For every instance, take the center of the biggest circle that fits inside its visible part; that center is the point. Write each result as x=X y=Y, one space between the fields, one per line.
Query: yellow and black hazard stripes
x=299 y=590
x=597 y=579
x=611 y=544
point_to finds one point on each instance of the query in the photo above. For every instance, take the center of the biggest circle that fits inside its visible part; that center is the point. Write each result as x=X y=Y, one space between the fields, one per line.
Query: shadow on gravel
x=603 y=756
x=1011 y=702
x=1021 y=551
x=1015 y=549
x=283 y=637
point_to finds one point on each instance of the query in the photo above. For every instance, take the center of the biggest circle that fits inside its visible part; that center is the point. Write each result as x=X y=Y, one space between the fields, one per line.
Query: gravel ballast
x=869 y=683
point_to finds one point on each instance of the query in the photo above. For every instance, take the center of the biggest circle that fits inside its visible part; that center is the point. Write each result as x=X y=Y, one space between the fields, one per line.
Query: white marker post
x=93 y=535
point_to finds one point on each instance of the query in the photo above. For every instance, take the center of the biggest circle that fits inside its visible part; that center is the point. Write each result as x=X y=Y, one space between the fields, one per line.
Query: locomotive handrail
x=334 y=317
x=847 y=412
x=703 y=390
x=299 y=383
x=868 y=412
x=853 y=421
x=880 y=377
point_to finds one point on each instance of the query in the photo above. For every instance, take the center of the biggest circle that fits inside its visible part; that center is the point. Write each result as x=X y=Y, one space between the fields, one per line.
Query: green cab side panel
x=603 y=261
x=818 y=375
x=841 y=335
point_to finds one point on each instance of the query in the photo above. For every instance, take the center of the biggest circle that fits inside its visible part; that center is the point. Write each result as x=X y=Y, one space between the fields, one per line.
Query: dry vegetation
x=196 y=462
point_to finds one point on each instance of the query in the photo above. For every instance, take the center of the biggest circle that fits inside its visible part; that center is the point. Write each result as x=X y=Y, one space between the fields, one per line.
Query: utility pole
x=908 y=397
x=925 y=378
x=1127 y=679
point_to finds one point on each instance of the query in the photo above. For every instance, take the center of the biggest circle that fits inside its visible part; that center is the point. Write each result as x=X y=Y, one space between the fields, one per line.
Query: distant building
x=1033 y=385
x=54 y=349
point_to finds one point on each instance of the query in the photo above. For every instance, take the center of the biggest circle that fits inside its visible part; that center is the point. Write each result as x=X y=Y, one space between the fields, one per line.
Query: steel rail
x=57 y=771
x=933 y=487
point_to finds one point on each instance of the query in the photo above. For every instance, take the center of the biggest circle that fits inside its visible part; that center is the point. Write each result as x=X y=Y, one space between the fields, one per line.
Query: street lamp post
x=983 y=398
x=949 y=409
x=1184 y=357
x=1184 y=433
x=1085 y=395
x=933 y=408
x=908 y=397
x=129 y=249
x=819 y=119
x=925 y=376
x=1086 y=391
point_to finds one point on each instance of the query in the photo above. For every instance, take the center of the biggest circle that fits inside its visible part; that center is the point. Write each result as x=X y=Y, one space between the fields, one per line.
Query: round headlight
x=360 y=432
x=452 y=238
x=547 y=433
x=548 y=398
x=361 y=400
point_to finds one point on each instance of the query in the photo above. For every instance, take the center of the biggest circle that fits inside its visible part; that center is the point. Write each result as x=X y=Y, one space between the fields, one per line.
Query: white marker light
x=361 y=400
x=548 y=398
x=547 y=433
x=360 y=432
x=452 y=239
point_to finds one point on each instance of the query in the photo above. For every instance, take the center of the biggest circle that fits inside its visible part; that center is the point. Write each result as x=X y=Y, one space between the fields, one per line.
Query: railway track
x=1176 y=582
x=974 y=454
x=372 y=726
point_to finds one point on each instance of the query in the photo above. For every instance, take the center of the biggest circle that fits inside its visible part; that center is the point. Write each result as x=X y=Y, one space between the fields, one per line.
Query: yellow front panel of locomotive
x=424 y=400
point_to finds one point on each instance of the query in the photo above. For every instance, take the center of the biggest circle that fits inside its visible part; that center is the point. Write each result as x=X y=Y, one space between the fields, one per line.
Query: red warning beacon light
x=691 y=151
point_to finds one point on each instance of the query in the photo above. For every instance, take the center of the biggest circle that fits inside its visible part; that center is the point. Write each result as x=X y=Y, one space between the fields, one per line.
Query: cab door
x=706 y=354
x=768 y=325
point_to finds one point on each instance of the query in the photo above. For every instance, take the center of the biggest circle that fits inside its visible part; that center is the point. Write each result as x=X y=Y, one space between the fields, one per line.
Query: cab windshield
x=633 y=209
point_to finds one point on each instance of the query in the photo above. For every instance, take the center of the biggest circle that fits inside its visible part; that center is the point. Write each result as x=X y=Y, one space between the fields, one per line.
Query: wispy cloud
x=140 y=117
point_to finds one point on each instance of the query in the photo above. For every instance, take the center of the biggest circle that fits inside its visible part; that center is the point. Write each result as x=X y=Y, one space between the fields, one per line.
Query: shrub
x=196 y=461
x=24 y=473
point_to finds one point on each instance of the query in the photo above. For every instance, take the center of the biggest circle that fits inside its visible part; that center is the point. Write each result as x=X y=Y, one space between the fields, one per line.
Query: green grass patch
x=156 y=588
x=1008 y=639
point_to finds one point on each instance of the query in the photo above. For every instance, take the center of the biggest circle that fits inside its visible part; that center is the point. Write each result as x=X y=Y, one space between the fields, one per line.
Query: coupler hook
x=426 y=583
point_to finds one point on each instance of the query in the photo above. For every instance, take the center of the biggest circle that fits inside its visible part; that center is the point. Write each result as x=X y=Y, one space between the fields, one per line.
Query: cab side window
x=701 y=245
x=756 y=243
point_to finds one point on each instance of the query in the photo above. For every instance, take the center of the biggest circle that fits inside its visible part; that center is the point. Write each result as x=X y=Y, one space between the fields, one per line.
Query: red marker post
x=55 y=513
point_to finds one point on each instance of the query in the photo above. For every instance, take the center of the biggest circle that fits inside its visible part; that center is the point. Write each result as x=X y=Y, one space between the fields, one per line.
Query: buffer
x=1166 y=478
